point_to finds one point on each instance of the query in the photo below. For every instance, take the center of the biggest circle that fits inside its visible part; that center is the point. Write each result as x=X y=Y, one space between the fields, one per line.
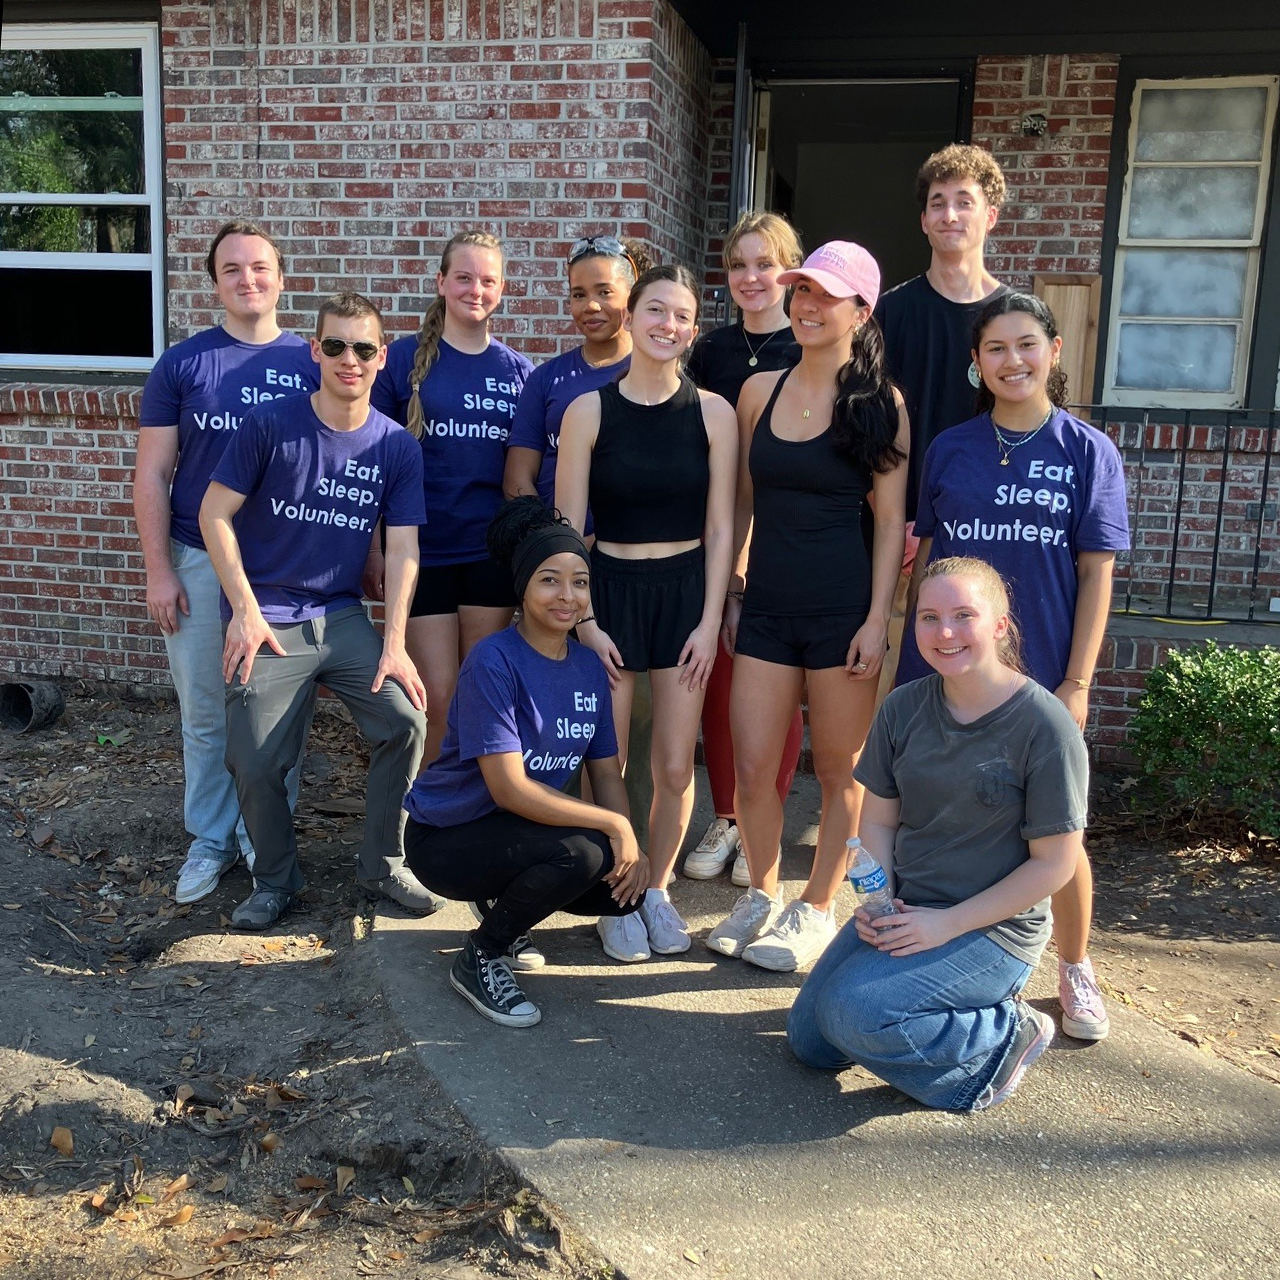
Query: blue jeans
x=935 y=1025
x=211 y=810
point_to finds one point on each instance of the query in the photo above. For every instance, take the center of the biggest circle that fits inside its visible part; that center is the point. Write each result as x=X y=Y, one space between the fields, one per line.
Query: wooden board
x=1074 y=301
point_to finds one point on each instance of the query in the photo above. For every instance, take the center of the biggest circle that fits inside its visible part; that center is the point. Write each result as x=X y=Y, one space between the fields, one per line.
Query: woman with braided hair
x=455 y=388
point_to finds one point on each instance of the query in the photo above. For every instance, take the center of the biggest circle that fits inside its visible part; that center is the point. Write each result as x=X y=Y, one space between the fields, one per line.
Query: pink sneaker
x=1084 y=1016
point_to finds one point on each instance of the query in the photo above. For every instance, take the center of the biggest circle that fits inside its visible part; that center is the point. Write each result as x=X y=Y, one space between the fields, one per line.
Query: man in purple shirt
x=193 y=402
x=287 y=519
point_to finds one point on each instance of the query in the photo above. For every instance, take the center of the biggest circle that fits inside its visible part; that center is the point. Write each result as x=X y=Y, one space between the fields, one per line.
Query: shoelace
x=667 y=916
x=748 y=909
x=498 y=981
x=1081 y=987
x=717 y=835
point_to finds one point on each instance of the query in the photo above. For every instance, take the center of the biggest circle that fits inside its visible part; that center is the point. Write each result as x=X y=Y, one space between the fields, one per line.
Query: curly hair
x=961 y=160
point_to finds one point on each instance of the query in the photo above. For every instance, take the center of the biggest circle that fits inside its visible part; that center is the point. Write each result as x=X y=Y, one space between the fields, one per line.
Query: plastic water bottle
x=869 y=881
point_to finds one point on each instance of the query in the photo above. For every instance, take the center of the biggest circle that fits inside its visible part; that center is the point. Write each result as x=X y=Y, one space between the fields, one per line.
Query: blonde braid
x=424 y=358
x=433 y=327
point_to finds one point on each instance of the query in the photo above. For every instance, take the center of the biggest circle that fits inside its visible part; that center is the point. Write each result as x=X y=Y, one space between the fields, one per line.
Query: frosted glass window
x=1202 y=124
x=1176 y=357
x=1189 y=250
x=1193 y=203
x=1184 y=282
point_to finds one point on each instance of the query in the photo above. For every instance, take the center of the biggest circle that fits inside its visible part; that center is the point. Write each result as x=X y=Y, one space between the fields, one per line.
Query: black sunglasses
x=334 y=347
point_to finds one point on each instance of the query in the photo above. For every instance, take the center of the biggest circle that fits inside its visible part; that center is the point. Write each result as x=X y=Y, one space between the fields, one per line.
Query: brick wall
x=1052 y=218
x=677 y=146
x=72 y=591
x=366 y=133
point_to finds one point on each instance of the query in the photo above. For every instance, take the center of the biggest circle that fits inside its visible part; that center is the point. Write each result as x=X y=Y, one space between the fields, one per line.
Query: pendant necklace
x=755 y=352
x=1006 y=447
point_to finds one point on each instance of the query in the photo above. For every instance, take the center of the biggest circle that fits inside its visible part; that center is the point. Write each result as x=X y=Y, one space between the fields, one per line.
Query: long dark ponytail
x=864 y=422
x=1055 y=386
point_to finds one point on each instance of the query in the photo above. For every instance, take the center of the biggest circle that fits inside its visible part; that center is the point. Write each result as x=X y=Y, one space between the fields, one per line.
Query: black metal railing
x=1204 y=495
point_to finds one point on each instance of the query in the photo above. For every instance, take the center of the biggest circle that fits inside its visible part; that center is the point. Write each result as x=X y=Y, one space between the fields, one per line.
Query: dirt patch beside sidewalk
x=178 y=1099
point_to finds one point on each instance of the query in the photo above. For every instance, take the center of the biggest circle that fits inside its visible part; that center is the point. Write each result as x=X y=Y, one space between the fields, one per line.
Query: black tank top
x=650 y=469
x=807 y=555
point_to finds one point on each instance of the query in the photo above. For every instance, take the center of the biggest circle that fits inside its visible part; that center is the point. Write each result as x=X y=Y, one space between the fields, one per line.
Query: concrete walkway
x=658 y=1106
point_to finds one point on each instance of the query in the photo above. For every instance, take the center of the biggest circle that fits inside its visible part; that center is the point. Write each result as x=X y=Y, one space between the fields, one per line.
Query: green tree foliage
x=1208 y=730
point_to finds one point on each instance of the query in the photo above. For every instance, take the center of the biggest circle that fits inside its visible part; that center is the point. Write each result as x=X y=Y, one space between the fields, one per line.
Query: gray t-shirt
x=974 y=794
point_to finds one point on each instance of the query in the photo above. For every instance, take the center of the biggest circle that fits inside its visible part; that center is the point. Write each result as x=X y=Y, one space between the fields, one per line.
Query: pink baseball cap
x=842 y=268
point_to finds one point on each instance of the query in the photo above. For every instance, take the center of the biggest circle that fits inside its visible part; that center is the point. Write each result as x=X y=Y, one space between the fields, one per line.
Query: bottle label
x=871 y=882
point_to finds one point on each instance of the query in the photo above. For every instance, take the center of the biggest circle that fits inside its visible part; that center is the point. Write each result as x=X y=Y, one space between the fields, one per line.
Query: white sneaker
x=199 y=878
x=623 y=937
x=714 y=850
x=741 y=873
x=752 y=914
x=668 y=933
x=799 y=936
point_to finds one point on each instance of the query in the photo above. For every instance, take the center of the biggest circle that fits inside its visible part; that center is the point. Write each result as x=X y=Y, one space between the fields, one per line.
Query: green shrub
x=1208 y=730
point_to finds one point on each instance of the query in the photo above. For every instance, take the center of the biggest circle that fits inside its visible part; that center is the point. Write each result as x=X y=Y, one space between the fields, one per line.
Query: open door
x=742 y=164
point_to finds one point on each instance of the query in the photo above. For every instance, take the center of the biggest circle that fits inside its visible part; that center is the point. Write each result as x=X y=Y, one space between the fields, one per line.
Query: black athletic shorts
x=649 y=608
x=443 y=587
x=814 y=643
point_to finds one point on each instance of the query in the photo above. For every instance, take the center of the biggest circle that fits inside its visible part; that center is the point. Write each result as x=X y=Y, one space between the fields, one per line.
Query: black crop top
x=650 y=469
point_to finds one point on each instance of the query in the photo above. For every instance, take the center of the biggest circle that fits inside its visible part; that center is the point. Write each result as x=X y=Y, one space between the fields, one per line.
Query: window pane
x=76 y=313
x=94 y=152
x=1184 y=282
x=37 y=228
x=1201 y=124
x=1176 y=357
x=71 y=73
x=1193 y=204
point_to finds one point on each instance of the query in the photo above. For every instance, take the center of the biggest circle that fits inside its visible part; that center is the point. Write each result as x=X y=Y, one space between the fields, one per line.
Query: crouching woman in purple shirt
x=489 y=821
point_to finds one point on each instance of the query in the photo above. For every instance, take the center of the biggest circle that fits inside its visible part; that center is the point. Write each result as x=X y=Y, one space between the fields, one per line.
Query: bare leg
x=1073 y=913
x=840 y=711
x=476 y=622
x=677 y=710
x=763 y=701
x=432 y=645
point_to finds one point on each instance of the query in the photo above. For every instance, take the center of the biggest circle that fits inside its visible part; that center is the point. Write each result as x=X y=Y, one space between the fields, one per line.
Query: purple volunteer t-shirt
x=552 y=387
x=467 y=405
x=205 y=386
x=1062 y=493
x=510 y=697
x=313 y=497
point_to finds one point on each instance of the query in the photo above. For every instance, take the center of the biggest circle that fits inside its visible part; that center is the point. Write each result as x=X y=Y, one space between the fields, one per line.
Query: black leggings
x=532 y=870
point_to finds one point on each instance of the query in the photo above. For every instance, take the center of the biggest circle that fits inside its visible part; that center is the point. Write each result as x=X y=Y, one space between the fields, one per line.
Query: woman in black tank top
x=807 y=605
x=657 y=460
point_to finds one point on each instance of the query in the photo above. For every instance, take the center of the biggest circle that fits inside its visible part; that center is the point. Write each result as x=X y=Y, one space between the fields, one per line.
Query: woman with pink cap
x=807 y=604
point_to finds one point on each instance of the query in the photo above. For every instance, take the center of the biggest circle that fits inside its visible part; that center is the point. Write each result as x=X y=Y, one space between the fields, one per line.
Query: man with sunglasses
x=193 y=402
x=287 y=518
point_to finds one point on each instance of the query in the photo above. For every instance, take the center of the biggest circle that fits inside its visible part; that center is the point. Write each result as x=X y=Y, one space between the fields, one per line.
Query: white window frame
x=101 y=35
x=1173 y=399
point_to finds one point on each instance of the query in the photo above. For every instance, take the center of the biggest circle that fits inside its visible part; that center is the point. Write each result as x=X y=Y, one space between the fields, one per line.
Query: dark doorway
x=841 y=156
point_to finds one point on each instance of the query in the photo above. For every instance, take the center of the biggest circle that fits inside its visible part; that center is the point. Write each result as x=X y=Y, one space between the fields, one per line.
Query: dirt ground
x=220 y=1101
x=180 y=1100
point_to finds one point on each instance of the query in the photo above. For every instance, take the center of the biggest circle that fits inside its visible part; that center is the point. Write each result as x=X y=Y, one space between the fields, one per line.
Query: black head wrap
x=539 y=546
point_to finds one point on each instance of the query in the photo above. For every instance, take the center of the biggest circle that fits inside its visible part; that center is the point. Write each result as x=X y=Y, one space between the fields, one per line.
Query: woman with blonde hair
x=757 y=250
x=455 y=388
x=977 y=787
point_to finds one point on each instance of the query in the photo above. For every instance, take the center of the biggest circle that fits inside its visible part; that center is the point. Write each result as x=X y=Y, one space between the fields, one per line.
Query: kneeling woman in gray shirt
x=977 y=789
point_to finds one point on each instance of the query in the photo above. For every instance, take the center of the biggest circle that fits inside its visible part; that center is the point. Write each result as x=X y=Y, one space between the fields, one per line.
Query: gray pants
x=266 y=720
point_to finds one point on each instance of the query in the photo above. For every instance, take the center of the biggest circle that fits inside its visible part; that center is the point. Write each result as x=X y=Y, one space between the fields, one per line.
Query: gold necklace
x=756 y=350
x=1006 y=447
